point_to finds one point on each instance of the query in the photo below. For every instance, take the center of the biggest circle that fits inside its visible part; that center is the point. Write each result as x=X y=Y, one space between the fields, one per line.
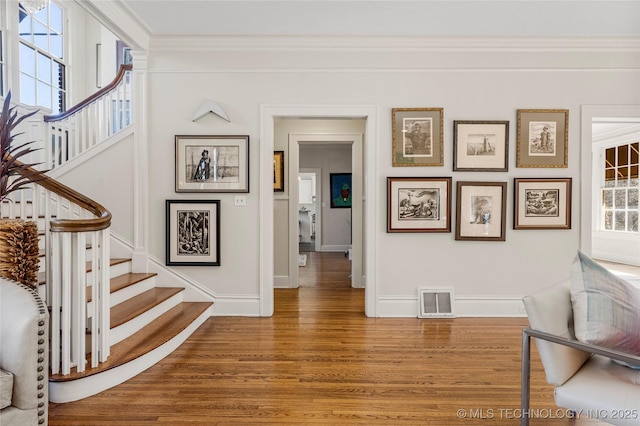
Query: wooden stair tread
x=123 y=281
x=112 y=262
x=150 y=337
x=138 y=305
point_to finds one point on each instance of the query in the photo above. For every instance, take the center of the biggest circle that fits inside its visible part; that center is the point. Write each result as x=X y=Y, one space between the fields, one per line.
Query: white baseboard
x=237 y=306
x=407 y=307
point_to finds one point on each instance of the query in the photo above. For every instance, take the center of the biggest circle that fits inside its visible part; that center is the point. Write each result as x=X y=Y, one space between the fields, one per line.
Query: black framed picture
x=192 y=232
x=340 y=190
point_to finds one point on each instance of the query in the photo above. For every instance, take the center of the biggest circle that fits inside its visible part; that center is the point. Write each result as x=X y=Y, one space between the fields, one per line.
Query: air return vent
x=435 y=303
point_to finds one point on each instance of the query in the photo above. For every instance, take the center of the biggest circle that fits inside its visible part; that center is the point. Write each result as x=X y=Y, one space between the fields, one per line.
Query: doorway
x=268 y=116
x=603 y=127
x=334 y=152
x=310 y=209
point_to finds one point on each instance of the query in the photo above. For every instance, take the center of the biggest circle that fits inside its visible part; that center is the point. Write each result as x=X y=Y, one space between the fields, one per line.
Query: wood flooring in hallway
x=319 y=361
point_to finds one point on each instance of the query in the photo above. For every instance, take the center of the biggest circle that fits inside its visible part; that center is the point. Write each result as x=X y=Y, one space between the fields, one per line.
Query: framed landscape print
x=278 y=171
x=340 y=184
x=418 y=204
x=542 y=138
x=192 y=232
x=481 y=146
x=417 y=137
x=212 y=163
x=542 y=203
x=481 y=208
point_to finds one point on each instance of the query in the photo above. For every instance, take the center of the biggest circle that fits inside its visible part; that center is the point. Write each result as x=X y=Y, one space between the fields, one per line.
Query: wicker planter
x=19 y=251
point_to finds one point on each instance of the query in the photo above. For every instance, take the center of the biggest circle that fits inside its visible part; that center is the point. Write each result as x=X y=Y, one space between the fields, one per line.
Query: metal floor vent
x=435 y=303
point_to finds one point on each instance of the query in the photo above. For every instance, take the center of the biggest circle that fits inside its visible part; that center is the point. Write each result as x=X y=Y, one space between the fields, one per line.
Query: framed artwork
x=542 y=203
x=417 y=137
x=481 y=208
x=278 y=171
x=192 y=232
x=481 y=146
x=212 y=163
x=418 y=204
x=340 y=184
x=543 y=138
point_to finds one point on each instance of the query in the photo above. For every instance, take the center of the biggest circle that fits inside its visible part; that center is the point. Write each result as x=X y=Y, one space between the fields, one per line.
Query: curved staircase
x=148 y=322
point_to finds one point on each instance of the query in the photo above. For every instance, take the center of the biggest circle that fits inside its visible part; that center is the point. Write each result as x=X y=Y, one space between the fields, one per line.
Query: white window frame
x=614 y=246
x=64 y=60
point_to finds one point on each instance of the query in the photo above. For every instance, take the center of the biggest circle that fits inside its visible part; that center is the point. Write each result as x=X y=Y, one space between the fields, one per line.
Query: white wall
x=472 y=85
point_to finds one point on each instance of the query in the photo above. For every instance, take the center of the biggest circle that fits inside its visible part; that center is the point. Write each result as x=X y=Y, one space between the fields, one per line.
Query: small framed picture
x=340 y=190
x=542 y=138
x=212 y=163
x=542 y=203
x=278 y=171
x=481 y=208
x=481 y=146
x=418 y=204
x=192 y=232
x=417 y=137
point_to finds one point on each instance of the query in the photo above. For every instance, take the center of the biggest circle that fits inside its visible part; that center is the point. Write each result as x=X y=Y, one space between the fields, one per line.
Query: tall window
x=620 y=191
x=42 y=66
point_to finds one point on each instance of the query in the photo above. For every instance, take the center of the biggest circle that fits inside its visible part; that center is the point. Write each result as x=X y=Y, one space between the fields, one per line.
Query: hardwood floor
x=320 y=361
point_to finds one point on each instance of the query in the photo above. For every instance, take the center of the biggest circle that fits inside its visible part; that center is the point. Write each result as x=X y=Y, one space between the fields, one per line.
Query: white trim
x=268 y=113
x=587 y=206
x=472 y=306
x=396 y=43
x=237 y=305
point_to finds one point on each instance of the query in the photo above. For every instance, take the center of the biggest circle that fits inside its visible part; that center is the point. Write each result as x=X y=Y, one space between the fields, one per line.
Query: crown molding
x=119 y=19
x=395 y=43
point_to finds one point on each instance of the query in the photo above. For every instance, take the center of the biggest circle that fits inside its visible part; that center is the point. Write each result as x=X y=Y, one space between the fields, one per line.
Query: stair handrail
x=91 y=122
x=82 y=104
x=103 y=216
x=71 y=223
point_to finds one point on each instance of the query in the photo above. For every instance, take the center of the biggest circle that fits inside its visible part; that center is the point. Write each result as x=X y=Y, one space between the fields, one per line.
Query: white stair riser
x=126 y=293
x=125 y=330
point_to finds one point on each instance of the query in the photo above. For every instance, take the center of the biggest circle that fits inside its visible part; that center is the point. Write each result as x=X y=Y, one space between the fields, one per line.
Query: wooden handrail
x=102 y=221
x=123 y=69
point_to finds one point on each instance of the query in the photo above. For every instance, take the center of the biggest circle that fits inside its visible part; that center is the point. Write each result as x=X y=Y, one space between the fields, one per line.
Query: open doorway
x=309 y=209
x=273 y=271
x=609 y=229
x=339 y=158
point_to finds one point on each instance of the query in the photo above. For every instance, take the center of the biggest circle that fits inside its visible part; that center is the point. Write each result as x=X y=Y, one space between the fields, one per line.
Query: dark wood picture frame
x=418 y=204
x=278 y=171
x=481 y=209
x=192 y=232
x=481 y=146
x=542 y=203
x=418 y=137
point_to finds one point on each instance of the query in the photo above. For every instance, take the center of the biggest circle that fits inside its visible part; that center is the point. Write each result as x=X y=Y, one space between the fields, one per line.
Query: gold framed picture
x=278 y=171
x=417 y=137
x=543 y=138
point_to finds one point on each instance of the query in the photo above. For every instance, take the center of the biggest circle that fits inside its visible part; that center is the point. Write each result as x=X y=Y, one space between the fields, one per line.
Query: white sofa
x=24 y=356
x=586 y=379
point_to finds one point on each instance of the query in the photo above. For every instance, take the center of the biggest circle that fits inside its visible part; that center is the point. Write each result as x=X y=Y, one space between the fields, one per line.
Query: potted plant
x=18 y=238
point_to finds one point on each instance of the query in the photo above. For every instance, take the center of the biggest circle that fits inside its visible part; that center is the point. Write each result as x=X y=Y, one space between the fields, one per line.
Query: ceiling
x=387 y=17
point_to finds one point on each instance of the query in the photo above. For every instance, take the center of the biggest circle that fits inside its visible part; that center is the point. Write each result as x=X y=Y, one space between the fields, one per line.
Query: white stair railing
x=91 y=122
x=70 y=226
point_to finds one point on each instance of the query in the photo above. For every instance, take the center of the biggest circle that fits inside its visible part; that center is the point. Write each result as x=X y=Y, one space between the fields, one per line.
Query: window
x=42 y=66
x=620 y=190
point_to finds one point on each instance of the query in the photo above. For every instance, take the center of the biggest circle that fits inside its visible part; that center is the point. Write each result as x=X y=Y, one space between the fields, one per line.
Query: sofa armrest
x=527 y=333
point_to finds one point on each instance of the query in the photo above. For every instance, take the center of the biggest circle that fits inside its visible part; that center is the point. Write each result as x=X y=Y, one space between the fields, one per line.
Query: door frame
x=318 y=203
x=357 y=213
x=268 y=115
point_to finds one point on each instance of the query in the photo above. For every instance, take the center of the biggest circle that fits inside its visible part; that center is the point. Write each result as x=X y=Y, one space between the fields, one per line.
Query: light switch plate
x=240 y=201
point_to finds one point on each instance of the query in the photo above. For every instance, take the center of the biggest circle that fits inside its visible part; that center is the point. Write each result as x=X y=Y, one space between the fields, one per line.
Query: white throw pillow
x=606 y=309
x=6 y=389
